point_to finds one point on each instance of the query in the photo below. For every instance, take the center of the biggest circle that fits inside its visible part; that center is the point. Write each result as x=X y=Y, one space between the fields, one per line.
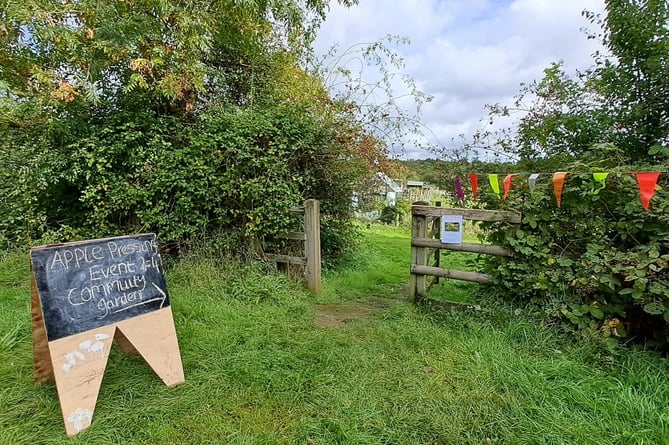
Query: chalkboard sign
x=89 y=284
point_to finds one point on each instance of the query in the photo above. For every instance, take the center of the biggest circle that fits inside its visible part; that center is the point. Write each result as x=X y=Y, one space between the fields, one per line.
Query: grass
x=258 y=370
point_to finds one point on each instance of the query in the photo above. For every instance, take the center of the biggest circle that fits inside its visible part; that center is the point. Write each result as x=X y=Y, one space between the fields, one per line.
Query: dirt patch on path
x=336 y=315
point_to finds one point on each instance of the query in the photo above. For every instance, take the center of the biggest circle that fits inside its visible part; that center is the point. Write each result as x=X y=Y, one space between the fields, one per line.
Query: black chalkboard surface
x=88 y=284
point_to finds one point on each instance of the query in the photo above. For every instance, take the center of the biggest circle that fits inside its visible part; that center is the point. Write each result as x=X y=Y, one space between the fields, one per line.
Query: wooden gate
x=426 y=244
x=308 y=261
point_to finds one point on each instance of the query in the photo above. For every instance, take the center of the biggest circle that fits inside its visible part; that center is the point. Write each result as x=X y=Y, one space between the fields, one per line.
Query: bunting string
x=647 y=182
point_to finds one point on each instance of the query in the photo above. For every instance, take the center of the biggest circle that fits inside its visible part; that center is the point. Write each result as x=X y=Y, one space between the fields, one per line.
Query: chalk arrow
x=162 y=292
x=162 y=299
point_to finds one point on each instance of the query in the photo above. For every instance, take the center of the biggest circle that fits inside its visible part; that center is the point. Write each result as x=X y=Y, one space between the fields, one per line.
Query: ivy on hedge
x=600 y=261
x=230 y=170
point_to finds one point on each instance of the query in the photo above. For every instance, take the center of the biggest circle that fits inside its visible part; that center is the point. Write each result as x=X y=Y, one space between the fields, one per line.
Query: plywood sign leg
x=153 y=335
x=79 y=363
x=41 y=360
x=125 y=344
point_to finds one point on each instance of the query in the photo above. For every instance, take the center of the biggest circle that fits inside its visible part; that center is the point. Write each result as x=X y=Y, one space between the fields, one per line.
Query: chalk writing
x=93 y=283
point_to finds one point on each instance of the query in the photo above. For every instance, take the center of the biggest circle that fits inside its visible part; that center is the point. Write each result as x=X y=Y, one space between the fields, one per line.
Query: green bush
x=599 y=261
x=136 y=171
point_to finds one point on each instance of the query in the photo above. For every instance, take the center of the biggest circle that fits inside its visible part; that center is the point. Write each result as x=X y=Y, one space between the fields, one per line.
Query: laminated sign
x=451 y=229
x=87 y=294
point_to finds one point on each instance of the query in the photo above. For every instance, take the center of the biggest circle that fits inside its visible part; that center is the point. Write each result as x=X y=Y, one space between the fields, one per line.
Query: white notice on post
x=451 y=229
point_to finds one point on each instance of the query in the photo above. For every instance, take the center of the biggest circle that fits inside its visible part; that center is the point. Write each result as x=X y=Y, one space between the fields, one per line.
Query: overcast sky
x=468 y=53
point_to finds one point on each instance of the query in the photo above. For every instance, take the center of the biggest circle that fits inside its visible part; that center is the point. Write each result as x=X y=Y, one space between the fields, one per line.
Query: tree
x=367 y=82
x=183 y=117
x=623 y=101
x=632 y=80
x=599 y=260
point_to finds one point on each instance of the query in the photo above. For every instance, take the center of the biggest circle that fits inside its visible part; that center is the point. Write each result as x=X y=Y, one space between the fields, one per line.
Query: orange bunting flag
x=647 y=182
x=507 y=184
x=494 y=183
x=475 y=184
x=558 y=185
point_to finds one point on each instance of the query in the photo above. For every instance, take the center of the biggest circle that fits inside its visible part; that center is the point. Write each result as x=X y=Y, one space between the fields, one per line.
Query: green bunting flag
x=600 y=179
x=494 y=183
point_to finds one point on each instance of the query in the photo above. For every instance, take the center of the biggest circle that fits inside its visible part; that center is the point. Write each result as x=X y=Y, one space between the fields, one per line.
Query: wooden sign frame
x=77 y=361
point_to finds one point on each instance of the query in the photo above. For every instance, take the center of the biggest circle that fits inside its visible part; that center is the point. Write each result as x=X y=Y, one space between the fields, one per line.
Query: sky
x=467 y=54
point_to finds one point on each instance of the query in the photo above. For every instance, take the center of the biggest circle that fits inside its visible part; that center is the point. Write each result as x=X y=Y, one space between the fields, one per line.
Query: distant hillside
x=426 y=170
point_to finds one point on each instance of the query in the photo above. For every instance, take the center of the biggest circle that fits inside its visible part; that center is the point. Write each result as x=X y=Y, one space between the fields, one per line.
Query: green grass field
x=260 y=370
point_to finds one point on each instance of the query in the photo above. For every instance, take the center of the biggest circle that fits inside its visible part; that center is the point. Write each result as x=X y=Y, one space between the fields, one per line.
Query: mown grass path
x=260 y=371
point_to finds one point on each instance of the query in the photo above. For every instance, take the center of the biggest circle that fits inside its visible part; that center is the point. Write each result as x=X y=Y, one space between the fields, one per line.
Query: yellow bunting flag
x=558 y=185
x=494 y=183
x=600 y=178
x=507 y=184
x=647 y=182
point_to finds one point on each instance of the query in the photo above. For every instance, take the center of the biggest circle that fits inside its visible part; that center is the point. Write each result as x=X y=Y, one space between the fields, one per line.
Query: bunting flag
x=600 y=178
x=475 y=184
x=558 y=185
x=532 y=181
x=647 y=182
x=507 y=184
x=458 y=189
x=494 y=183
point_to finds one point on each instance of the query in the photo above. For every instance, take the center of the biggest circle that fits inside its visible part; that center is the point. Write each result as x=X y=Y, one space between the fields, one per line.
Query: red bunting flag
x=647 y=182
x=475 y=184
x=558 y=185
x=507 y=184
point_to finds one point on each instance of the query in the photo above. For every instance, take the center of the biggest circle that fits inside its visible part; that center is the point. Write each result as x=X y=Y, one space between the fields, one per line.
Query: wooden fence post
x=418 y=256
x=436 y=233
x=312 y=245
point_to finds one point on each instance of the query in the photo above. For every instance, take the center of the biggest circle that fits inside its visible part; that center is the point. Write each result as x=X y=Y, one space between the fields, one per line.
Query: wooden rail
x=462 y=275
x=468 y=214
x=486 y=249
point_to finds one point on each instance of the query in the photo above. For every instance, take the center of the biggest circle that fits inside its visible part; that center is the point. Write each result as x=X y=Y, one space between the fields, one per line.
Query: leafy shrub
x=600 y=261
x=136 y=170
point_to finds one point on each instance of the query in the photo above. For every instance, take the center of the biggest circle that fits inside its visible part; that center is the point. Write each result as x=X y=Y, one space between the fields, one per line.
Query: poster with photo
x=451 y=229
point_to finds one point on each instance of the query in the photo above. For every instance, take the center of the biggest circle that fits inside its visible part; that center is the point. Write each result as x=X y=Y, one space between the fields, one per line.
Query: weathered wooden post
x=312 y=244
x=436 y=233
x=418 y=257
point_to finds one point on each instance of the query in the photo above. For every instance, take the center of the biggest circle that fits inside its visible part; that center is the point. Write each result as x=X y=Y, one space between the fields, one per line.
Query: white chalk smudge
x=98 y=346
x=72 y=358
x=80 y=419
x=86 y=346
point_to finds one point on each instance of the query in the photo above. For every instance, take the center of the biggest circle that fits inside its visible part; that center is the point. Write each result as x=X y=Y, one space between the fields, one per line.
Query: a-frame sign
x=87 y=294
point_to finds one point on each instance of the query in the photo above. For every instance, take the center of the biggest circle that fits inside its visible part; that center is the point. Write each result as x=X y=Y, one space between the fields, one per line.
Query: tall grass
x=259 y=371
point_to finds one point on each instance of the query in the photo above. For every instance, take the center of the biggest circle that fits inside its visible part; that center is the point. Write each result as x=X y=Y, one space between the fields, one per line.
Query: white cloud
x=468 y=54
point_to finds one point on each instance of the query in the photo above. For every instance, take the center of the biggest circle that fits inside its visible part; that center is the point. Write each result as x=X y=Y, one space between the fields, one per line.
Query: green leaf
x=596 y=312
x=654 y=308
